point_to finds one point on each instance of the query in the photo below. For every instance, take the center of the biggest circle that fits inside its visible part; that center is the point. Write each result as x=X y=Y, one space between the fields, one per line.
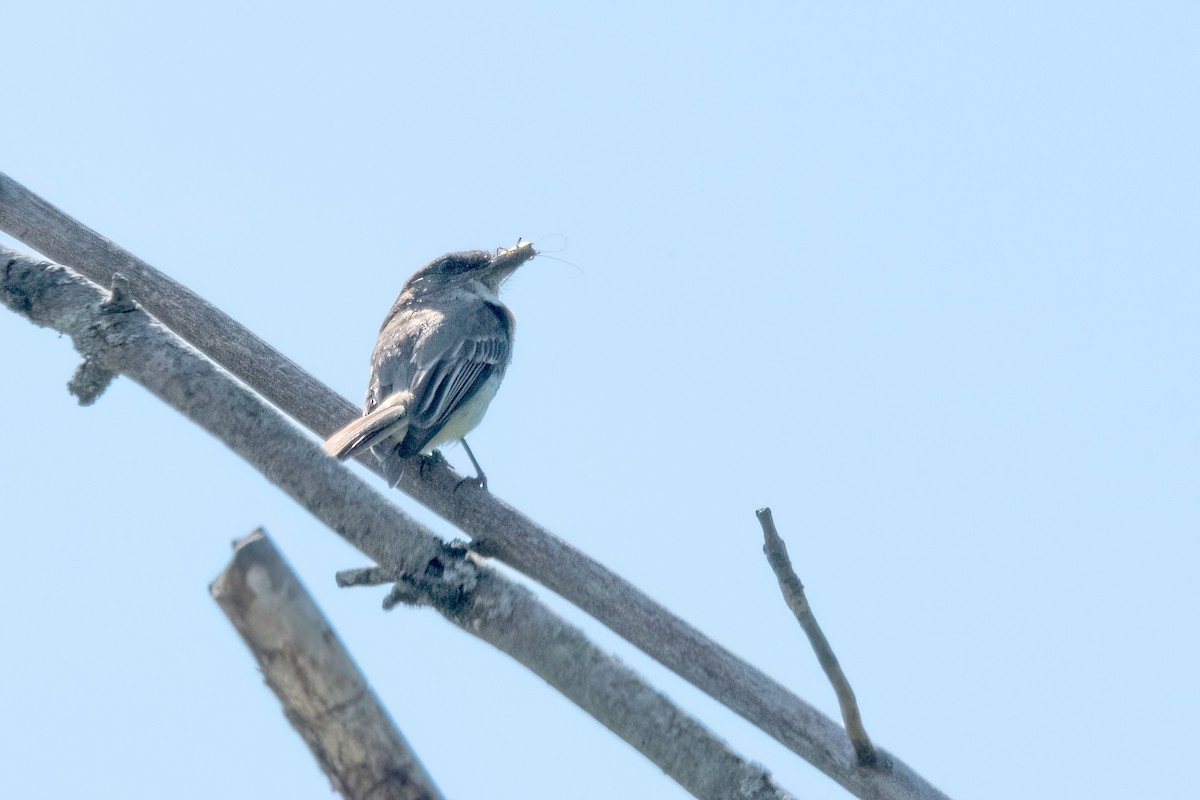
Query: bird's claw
x=479 y=482
x=431 y=461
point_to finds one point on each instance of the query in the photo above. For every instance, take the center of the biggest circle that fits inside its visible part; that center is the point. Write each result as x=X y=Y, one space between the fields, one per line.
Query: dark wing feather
x=440 y=364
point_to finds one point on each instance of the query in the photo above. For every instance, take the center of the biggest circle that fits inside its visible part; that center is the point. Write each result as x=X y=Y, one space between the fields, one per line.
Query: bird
x=441 y=354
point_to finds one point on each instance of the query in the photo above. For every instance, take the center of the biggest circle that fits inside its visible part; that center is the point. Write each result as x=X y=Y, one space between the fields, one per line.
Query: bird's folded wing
x=448 y=370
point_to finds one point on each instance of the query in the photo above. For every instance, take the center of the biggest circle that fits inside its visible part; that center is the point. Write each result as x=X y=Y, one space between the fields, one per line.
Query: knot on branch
x=446 y=582
x=11 y=278
x=90 y=378
x=119 y=300
x=89 y=381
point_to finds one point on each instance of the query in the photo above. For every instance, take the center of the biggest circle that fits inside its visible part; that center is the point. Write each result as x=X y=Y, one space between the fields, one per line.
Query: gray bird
x=439 y=359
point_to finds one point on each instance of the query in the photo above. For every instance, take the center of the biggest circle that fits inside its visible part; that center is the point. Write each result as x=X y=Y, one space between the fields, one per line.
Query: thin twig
x=793 y=595
x=444 y=576
x=323 y=693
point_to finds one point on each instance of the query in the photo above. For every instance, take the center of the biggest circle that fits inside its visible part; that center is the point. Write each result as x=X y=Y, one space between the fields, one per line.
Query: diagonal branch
x=323 y=693
x=793 y=595
x=496 y=528
x=476 y=598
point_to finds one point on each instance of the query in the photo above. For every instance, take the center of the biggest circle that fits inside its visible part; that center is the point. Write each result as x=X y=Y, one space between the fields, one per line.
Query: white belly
x=468 y=415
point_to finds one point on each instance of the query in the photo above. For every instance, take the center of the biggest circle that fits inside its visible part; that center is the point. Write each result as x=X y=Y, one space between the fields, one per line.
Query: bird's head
x=490 y=269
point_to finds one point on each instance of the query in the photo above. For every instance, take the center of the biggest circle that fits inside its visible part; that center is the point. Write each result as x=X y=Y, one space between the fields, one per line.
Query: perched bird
x=439 y=359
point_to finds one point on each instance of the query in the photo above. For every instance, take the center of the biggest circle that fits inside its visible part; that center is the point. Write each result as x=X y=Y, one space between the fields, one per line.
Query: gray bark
x=793 y=594
x=324 y=696
x=496 y=529
x=118 y=339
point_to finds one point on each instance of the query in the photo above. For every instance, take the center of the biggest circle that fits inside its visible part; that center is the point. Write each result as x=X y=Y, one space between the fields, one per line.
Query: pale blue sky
x=922 y=278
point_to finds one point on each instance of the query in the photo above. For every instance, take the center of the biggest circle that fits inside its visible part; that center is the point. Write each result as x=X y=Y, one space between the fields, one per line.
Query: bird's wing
x=452 y=366
x=440 y=364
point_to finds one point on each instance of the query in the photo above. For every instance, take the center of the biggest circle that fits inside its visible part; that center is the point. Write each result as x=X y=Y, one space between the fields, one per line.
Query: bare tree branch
x=324 y=695
x=509 y=617
x=31 y=219
x=443 y=576
x=793 y=595
x=496 y=528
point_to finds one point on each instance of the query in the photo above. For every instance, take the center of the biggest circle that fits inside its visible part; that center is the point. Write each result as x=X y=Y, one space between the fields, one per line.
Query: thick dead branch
x=497 y=529
x=443 y=576
x=793 y=595
x=323 y=694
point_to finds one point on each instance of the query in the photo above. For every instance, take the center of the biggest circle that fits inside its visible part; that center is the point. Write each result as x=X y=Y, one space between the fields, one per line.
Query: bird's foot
x=479 y=482
x=480 y=479
x=432 y=461
x=393 y=470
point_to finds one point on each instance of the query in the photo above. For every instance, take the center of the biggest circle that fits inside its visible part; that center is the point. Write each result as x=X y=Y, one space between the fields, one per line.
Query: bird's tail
x=389 y=418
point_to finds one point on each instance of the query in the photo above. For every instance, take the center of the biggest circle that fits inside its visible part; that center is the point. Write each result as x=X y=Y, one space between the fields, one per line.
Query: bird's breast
x=469 y=414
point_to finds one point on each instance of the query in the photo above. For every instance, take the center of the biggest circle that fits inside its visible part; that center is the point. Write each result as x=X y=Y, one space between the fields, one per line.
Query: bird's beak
x=507 y=259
